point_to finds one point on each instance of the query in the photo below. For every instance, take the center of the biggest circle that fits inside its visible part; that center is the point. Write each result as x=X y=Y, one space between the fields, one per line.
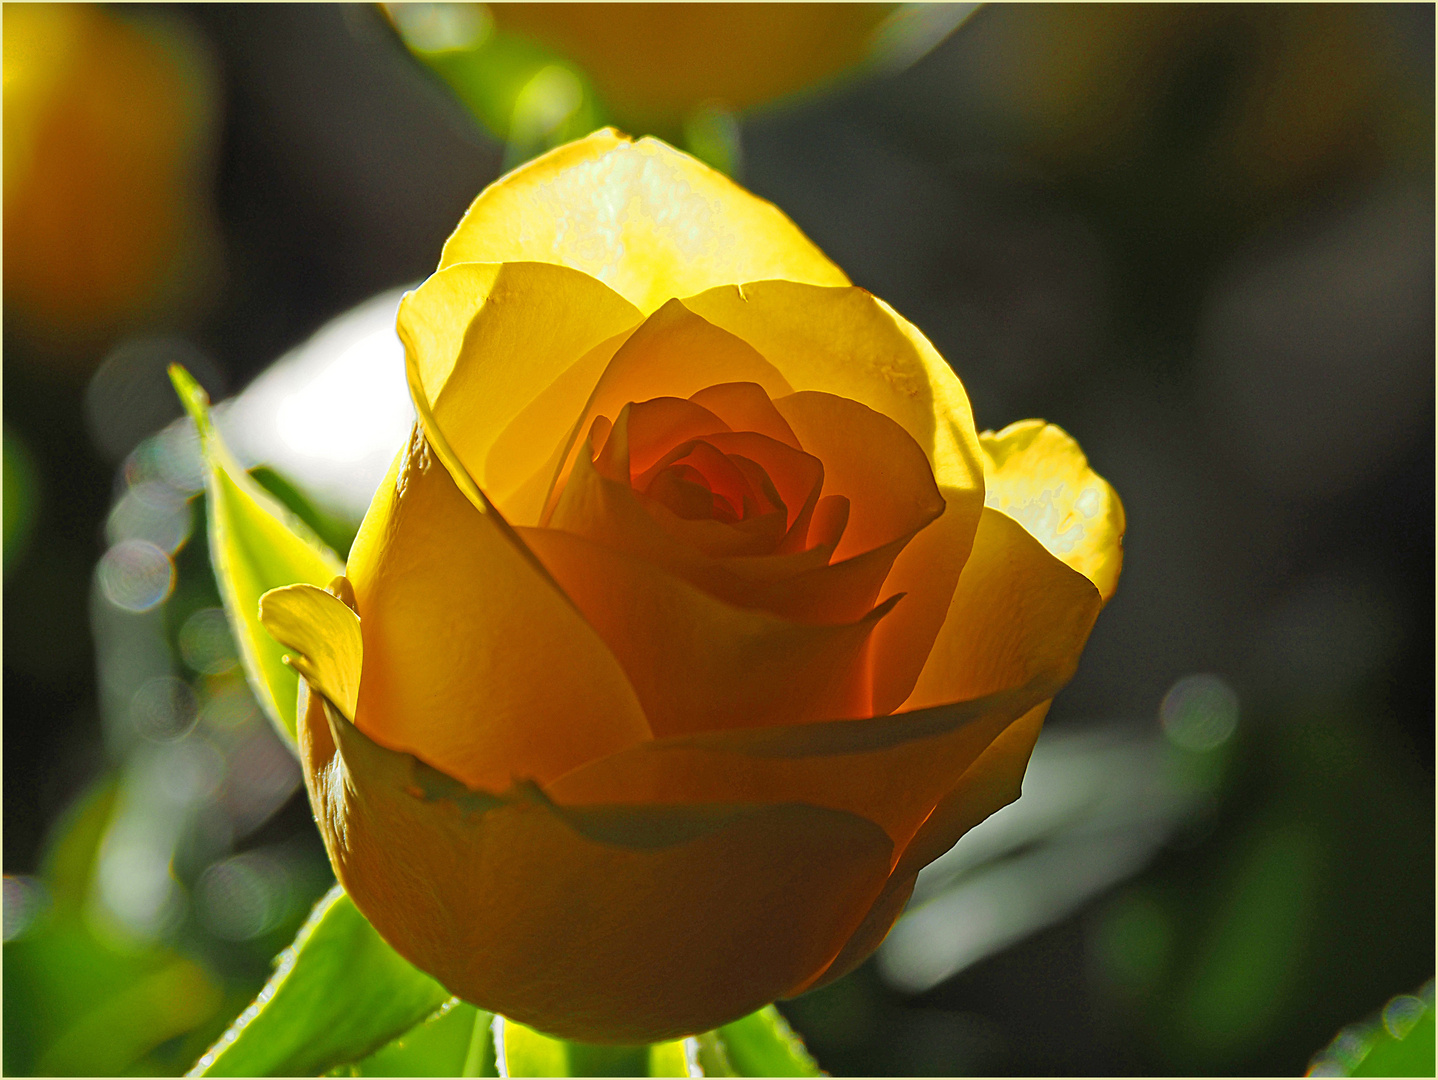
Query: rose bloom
x=695 y=618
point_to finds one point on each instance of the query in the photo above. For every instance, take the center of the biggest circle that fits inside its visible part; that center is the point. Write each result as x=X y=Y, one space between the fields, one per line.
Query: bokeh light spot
x=243 y=897
x=206 y=643
x=164 y=708
x=25 y=898
x=151 y=511
x=136 y=575
x=1199 y=712
x=442 y=27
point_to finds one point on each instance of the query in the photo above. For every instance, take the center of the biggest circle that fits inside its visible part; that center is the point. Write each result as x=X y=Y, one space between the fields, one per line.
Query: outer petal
x=989 y=784
x=1037 y=474
x=1016 y=611
x=324 y=634
x=473 y=660
x=892 y=770
x=698 y=663
x=601 y=924
x=643 y=218
x=508 y=355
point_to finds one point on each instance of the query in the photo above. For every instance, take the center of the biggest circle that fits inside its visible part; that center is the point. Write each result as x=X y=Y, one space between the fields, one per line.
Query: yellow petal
x=507 y=356
x=325 y=637
x=993 y=781
x=1016 y=614
x=473 y=660
x=648 y=221
x=698 y=663
x=847 y=342
x=1036 y=473
x=602 y=924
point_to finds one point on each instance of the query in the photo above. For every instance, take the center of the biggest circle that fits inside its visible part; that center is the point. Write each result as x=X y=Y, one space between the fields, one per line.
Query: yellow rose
x=693 y=621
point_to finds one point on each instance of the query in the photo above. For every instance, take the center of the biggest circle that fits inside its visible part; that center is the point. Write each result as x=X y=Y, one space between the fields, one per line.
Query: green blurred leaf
x=762 y=1044
x=525 y=94
x=1412 y=1055
x=256 y=545
x=455 y=1041
x=76 y=1001
x=338 y=994
x=1400 y=1042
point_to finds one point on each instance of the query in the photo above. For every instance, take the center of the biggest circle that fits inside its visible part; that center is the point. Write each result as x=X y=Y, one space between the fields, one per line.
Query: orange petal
x=675 y=353
x=603 y=924
x=1037 y=474
x=848 y=343
x=993 y=781
x=710 y=554
x=892 y=770
x=1017 y=612
x=872 y=462
x=648 y=221
x=507 y=356
x=744 y=406
x=651 y=428
x=698 y=663
x=473 y=660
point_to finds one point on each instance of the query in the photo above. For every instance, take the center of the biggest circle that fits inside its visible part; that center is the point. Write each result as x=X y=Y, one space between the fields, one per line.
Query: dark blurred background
x=1199 y=238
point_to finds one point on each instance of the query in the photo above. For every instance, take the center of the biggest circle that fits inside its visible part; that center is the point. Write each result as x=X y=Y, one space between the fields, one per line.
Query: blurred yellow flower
x=105 y=128
x=654 y=64
x=693 y=621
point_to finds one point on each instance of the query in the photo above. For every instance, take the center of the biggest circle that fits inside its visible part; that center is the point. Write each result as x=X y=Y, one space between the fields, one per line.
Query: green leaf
x=256 y=545
x=669 y=1058
x=338 y=994
x=529 y=1053
x=455 y=1041
x=1400 y=1042
x=1412 y=1055
x=762 y=1044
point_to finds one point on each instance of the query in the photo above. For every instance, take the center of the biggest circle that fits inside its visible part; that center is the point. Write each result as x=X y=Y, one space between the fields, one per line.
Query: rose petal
x=1017 y=611
x=646 y=220
x=892 y=770
x=744 y=406
x=1036 y=473
x=675 y=353
x=924 y=574
x=324 y=635
x=602 y=924
x=507 y=356
x=848 y=343
x=993 y=781
x=461 y=628
x=872 y=462
x=698 y=663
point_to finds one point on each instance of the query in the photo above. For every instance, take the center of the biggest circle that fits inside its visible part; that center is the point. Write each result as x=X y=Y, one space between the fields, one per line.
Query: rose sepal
x=256 y=545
